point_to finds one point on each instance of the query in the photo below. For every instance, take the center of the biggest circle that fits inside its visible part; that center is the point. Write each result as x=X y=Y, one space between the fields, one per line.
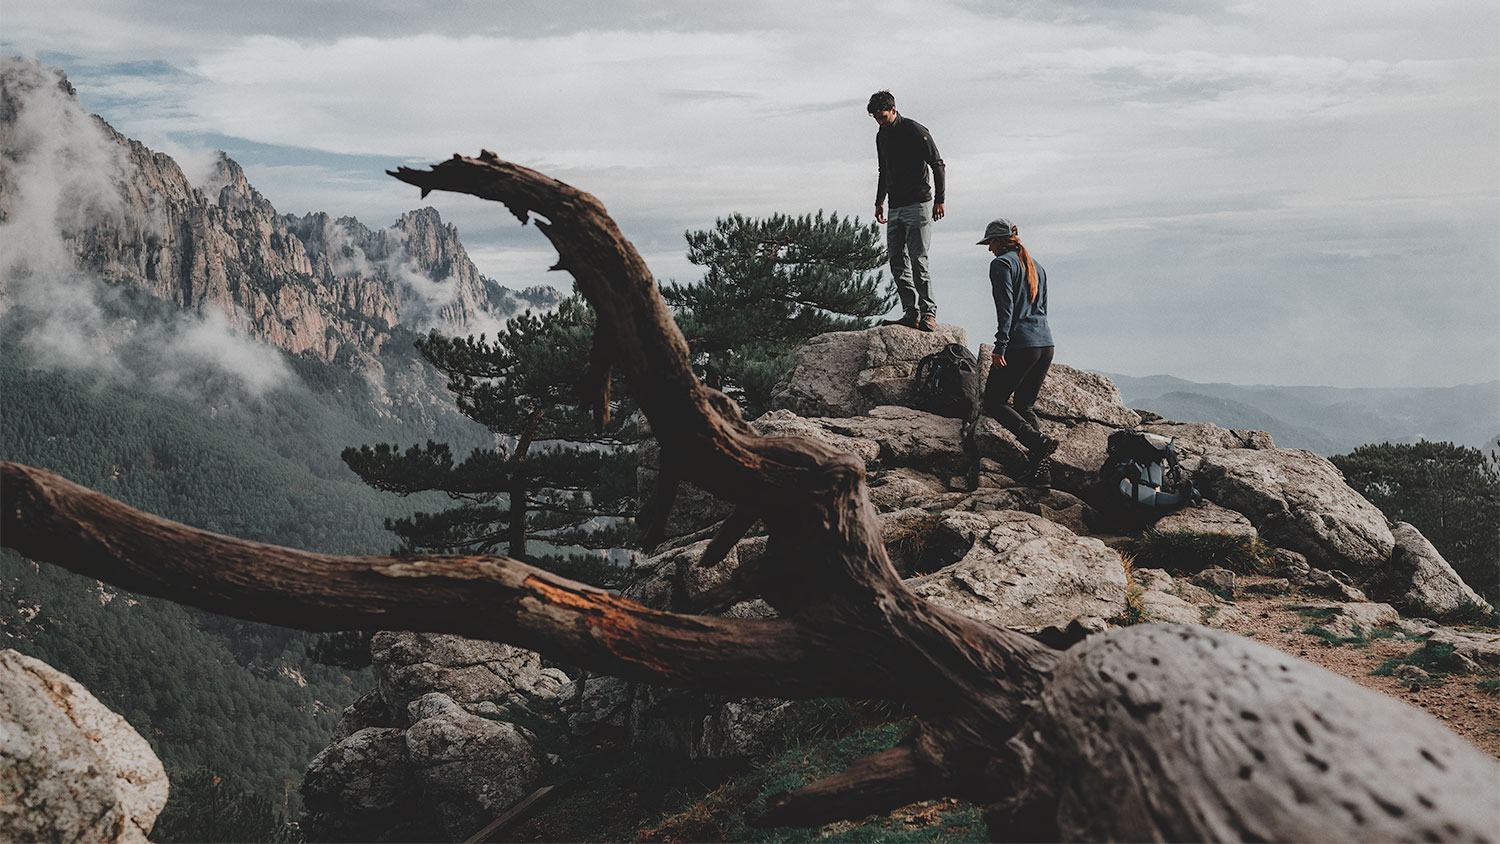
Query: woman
x=1023 y=343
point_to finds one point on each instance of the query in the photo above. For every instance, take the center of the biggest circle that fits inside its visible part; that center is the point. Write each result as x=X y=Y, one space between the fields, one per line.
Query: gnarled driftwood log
x=1140 y=734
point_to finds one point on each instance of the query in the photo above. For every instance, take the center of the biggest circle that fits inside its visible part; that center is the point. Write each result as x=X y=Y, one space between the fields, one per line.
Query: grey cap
x=1000 y=227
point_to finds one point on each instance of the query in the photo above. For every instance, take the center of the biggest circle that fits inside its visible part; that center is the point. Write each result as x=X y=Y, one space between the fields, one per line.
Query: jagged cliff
x=321 y=286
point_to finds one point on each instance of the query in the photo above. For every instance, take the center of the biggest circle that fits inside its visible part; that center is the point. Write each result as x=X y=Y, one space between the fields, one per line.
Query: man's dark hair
x=881 y=101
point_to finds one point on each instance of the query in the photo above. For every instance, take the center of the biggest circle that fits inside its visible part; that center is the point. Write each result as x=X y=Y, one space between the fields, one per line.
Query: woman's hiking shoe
x=927 y=323
x=1039 y=459
x=1041 y=473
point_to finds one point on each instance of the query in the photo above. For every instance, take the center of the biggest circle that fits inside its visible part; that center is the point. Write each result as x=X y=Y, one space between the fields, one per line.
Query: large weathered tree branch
x=49 y=518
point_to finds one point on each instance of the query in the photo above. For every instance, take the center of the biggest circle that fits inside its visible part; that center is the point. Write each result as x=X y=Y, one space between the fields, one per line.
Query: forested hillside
x=242 y=700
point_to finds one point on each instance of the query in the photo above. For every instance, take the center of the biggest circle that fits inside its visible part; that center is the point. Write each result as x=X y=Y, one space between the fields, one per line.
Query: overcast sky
x=1272 y=191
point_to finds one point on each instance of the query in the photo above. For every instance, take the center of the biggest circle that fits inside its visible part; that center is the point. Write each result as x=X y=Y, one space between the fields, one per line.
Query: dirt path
x=1459 y=701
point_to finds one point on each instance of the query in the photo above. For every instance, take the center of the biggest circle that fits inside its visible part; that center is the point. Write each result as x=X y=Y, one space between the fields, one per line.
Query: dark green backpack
x=947 y=382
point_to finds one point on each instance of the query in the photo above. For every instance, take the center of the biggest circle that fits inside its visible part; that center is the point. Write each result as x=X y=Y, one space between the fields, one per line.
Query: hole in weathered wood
x=1302 y=732
x=1316 y=762
x=1249 y=716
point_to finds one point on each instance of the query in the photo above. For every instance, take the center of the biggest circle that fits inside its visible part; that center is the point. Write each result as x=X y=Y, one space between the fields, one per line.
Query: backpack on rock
x=1143 y=467
x=947 y=382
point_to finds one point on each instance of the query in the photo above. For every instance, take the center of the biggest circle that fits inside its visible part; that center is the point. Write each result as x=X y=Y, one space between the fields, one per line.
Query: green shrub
x=1191 y=552
x=1469 y=614
x=1433 y=657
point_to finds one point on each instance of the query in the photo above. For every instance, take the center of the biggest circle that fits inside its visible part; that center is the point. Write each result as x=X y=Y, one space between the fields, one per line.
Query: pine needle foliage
x=769 y=285
x=1451 y=493
x=560 y=474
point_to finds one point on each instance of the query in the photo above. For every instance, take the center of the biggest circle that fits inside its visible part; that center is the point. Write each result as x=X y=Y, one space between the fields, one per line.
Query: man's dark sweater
x=905 y=150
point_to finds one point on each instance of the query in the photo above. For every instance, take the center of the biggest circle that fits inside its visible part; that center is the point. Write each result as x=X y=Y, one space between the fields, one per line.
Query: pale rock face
x=1026 y=572
x=1051 y=503
x=1298 y=500
x=1078 y=396
x=1191 y=439
x=471 y=769
x=1479 y=647
x=785 y=423
x=899 y=488
x=1354 y=620
x=1419 y=574
x=886 y=436
x=70 y=769
x=846 y=373
x=1165 y=608
x=363 y=788
x=1163 y=599
x=410 y=665
x=1207 y=517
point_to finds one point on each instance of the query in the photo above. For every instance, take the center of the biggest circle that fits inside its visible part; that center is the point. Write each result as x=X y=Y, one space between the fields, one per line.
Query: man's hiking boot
x=909 y=321
x=927 y=323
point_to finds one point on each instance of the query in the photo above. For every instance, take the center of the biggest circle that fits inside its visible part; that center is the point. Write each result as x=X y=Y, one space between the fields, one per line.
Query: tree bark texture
x=1155 y=733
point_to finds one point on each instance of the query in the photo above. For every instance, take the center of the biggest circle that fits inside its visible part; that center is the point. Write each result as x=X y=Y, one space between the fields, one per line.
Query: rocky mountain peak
x=324 y=286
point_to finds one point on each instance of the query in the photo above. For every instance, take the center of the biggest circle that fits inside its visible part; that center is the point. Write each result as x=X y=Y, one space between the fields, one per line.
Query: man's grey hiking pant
x=908 y=234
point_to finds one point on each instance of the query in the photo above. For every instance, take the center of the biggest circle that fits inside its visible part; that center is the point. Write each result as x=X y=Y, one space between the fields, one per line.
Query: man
x=1023 y=343
x=905 y=152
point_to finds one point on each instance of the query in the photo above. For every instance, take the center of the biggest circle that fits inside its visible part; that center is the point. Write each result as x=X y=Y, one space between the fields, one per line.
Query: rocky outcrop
x=470 y=769
x=430 y=754
x=1298 y=500
x=846 y=373
x=1207 y=518
x=363 y=788
x=1074 y=395
x=1027 y=572
x=70 y=769
x=1418 y=576
x=468 y=672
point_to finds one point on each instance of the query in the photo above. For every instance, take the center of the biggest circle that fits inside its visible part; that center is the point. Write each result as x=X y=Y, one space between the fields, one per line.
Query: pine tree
x=559 y=475
x=769 y=286
x=1451 y=493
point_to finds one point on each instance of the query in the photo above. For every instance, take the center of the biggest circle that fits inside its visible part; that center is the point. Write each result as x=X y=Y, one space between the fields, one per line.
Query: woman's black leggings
x=1018 y=383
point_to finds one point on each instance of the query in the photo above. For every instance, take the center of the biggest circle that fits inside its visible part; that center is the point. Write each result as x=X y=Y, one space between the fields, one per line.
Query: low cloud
x=61 y=178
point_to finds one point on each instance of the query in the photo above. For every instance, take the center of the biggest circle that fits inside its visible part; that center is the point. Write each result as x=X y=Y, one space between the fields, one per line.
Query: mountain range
x=1326 y=420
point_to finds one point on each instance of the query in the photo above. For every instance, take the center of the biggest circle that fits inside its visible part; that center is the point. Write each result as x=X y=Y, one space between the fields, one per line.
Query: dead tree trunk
x=1150 y=733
